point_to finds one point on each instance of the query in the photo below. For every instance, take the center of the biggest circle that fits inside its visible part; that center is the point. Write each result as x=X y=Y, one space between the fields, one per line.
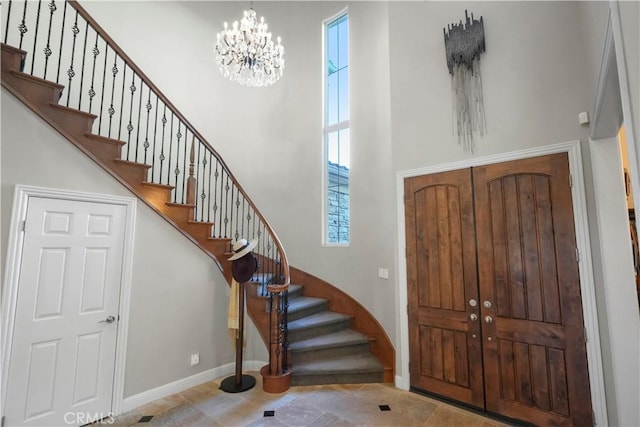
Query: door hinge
x=23 y=226
x=586 y=338
x=2 y=421
x=577 y=255
x=570 y=180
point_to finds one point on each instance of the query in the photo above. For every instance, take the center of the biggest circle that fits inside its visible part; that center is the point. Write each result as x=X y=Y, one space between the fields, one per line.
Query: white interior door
x=62 y=359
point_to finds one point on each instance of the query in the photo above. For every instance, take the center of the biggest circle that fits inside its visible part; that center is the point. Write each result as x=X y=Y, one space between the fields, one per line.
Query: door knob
x=488 y=319
x=473 y=302
x=487 y=304
x=109 y=319
x=473 y=317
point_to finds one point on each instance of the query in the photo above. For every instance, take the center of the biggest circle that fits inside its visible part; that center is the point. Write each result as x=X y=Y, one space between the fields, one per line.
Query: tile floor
x=328 y=405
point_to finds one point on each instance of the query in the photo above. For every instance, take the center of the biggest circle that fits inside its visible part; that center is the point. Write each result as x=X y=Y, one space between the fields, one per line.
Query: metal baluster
x=6 y=29
x=64 y=18
x=132 y=89
x=95 y=51
x=84 y=56
x=235 y=236
x=23 y=26
x=70 y=72
x=226 y=206
x=270 y=259
x=249 y=224
x=200 y=183
x=184 y=166
x=124 y=79
x=170 y=151
x=237 y=211
x=146 y=144
x=153 y=151
x=138 y=121
x=177 y=169
x=241 y=221
x=114 y=72
x=215 y=200
x=104 y=80
x=285 y=332
x=161 y=158
x=47 y=50
x=209 y=192
x=35 y=37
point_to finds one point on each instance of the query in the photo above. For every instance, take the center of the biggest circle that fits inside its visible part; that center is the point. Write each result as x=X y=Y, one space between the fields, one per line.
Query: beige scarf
x=233 y=316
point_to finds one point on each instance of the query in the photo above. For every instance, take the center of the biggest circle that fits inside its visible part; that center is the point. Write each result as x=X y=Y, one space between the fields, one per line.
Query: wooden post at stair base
x=191 y=181
x=275 y=377
x=275 y=350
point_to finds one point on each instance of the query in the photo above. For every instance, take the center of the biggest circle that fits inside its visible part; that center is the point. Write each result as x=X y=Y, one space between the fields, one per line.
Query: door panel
x=62 y=353
x=445 y=348
x=525 y=356
x=534 y=350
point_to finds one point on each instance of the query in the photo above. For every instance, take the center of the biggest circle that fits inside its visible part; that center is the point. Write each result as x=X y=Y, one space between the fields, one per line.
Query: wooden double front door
x=495 y=312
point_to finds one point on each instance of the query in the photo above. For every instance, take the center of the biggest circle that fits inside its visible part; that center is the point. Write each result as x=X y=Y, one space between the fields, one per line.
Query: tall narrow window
x=336 y=130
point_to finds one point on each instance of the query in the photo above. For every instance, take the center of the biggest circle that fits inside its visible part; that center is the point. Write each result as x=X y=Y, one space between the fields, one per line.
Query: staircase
x=323 y=347
x=331 y=338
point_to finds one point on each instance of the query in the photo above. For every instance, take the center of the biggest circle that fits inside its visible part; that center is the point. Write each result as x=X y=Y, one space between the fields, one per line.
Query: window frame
x=335 y=127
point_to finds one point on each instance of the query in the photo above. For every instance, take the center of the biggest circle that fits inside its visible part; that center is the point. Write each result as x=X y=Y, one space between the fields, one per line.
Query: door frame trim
x=15 y=242
x=587 y=284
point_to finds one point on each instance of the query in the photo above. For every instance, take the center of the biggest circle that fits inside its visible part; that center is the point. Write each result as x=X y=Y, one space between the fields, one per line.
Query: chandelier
x=247 y=55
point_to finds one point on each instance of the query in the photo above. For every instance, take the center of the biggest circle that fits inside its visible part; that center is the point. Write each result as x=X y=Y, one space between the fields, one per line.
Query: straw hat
x=242 y=247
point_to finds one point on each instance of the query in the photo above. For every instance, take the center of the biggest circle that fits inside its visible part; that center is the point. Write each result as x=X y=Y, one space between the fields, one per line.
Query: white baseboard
x=137 y=400
x=401 y=383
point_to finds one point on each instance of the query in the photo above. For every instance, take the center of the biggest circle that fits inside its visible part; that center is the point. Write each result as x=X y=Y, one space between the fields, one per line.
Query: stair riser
x=178 y=213
x=40 y=95
x=103 y=151
x=296 y=293
x=308 y=311
x=353 y=378
x=12 y=59
x=321 y=354
x=158 y=196
x=77 y=125
x=312 y=332
x=198 y=230
x=133 y=174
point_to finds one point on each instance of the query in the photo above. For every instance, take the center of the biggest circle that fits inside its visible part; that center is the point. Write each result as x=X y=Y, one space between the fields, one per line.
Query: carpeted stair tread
x=302 y=303
x=317 y=319
x=342 y=338
x=352 y=364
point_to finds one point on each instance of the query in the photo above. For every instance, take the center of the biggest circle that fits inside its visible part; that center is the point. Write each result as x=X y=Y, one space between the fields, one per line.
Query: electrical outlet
x=195 y=359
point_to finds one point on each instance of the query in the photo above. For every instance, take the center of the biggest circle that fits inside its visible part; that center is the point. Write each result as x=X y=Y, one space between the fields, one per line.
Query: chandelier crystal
x=246 y=53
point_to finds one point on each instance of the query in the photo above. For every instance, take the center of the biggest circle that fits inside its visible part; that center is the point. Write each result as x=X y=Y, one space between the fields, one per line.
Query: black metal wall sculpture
x=464 y=42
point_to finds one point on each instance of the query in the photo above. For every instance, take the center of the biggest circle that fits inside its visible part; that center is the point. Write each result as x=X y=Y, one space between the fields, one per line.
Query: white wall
x=533 y=75
x=178 y=296
x=618 y=295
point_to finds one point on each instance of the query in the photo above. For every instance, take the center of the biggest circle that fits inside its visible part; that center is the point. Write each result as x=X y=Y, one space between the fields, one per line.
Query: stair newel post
x=276 y=350
x=276 y=376
x=191 y=181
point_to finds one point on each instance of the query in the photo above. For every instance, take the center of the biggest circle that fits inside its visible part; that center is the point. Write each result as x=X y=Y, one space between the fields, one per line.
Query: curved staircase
x=331 y=338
